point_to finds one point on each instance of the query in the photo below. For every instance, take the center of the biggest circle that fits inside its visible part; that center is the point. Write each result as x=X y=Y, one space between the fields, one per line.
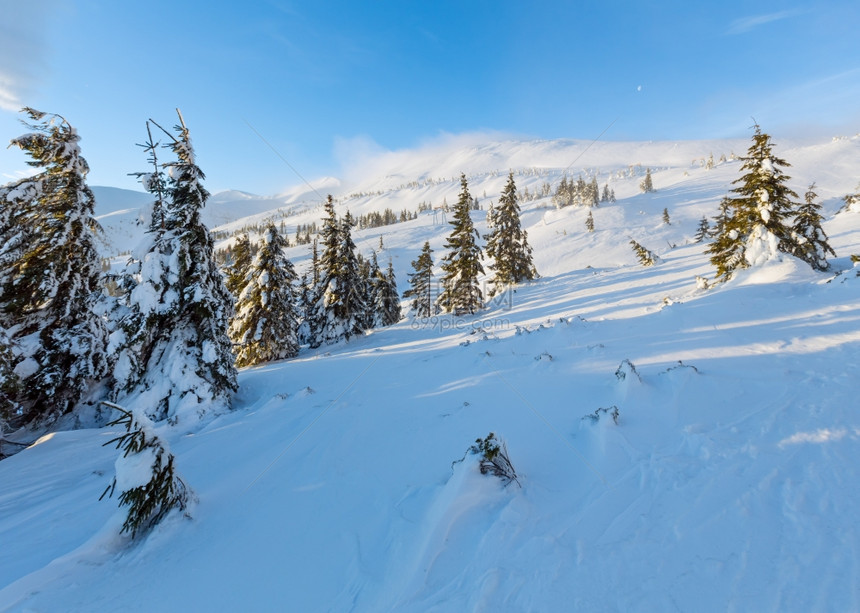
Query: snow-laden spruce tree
x=50 y=273
x=236 y=272
x=461 y=294
x=703 y=230
x=808 y=237
x=338 y=309
x=507 y=243
x=753 y=229
x=304 y=306
x=265 y=325
x=368 y=270
x=646 y=184
x=174 y=352
x=385 y=309
x=645 y=256
x=421 y=283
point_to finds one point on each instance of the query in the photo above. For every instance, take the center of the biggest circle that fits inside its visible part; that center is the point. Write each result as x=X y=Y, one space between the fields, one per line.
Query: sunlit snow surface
x=730 y=481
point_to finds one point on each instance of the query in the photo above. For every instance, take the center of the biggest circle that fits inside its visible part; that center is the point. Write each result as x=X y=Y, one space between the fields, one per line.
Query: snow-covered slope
x=729 y=481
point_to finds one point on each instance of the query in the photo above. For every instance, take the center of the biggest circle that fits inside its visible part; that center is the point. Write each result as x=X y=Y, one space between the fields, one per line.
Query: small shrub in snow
x=494 y=458
x=610 y=411
x=681 y=365
x=145 y=474
x=626 y=370
x=852 y=201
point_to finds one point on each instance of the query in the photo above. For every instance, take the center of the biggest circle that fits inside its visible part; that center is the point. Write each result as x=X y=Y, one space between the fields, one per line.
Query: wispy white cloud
x=745 y=24
x=23 y=49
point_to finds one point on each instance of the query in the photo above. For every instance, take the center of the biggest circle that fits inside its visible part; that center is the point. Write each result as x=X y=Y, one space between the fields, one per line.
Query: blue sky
x=325 y=81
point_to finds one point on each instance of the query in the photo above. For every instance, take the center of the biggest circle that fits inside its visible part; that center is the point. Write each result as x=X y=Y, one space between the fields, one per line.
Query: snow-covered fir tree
x=304 y=306
x=645 y=256
x=338 y=309
x=702 y=230
x=309 y=324
x=368 y=270
x=421 y=283
x=722 y=218
x=241 y=257
x=589 y=222
x=50 y=274
x=461 y=294
x=175 y=354
x=666 y=220
x=265 y=325
x=351 y=286
x=577 y=192
x=808 y=237
x=386 y=306
x=754 y=227
x=594 y=192
x=647 y=185
x=508 y=244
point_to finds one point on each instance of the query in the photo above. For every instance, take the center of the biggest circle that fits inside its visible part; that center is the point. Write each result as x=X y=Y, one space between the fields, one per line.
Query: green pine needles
x=145 y=474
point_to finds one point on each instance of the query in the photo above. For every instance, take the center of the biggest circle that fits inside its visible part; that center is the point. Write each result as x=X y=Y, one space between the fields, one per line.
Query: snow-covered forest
x=490 y=375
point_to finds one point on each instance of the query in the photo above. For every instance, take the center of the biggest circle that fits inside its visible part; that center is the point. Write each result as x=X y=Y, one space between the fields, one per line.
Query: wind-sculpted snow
x=719 y=473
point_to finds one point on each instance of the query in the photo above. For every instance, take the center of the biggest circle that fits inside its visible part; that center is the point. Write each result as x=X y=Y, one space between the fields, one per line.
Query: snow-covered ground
x=729 y=482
